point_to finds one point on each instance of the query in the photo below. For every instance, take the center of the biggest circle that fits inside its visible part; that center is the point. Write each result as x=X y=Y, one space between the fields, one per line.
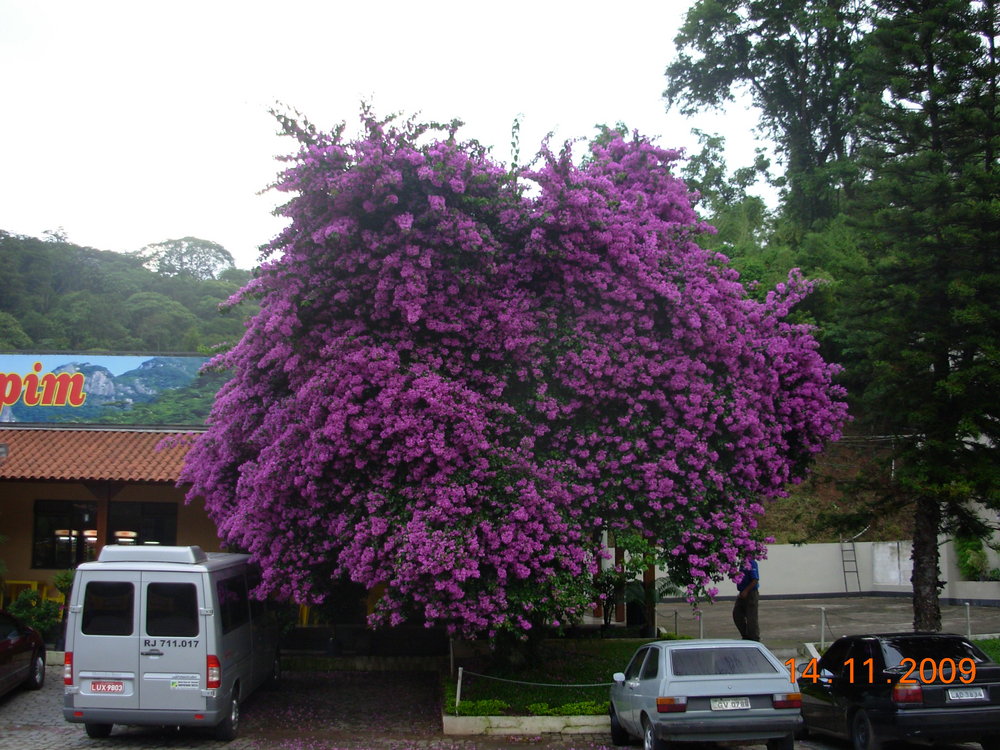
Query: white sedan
x=705 y=690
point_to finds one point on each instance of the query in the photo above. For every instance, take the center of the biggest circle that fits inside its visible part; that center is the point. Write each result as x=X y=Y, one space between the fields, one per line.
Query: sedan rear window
x=929 y=647
x=690 y=662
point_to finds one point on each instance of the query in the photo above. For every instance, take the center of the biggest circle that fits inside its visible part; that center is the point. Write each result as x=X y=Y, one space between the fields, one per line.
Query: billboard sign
x=110 y=389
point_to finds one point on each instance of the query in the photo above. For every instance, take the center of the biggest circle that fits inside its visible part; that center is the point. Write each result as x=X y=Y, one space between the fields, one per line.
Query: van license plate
x=107 y=686
x=966 y=694
x=729 y=704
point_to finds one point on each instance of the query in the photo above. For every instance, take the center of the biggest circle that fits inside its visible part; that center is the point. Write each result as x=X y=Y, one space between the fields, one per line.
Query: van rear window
x=172 y=610
x=107 y=608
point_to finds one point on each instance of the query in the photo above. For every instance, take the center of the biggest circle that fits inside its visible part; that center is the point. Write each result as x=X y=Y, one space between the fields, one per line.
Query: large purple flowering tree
x=460 y=376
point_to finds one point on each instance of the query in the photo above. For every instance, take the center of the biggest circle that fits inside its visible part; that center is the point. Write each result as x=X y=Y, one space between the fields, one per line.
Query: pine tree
x=923 y=328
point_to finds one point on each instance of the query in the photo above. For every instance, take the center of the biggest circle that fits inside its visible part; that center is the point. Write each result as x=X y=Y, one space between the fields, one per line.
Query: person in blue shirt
x=745 y=607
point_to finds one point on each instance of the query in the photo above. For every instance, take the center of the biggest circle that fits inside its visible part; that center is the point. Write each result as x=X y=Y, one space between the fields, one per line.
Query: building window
x=65 y=533
x=66 y=530
x=142 y=523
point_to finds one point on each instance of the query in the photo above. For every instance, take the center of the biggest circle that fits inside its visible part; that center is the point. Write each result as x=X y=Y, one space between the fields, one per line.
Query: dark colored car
x=926 y=687
x=22 y=655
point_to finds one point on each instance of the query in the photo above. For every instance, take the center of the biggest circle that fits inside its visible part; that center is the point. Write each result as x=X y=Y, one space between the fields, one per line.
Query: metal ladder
x=849 y=558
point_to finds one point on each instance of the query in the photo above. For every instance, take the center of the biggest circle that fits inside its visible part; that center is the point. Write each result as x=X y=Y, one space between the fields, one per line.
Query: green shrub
x=38 y=613
x=971 y=559
x=63 y=581
x=540 y=709
x=579 y=708
x=487 y=707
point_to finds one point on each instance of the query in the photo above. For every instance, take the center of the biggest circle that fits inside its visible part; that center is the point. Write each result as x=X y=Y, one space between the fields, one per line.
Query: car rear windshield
x=727 y=660
x=929 y=647
x=107 y=608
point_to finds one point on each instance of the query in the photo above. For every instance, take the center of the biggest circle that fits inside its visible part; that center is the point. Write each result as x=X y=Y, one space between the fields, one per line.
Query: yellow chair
x=304 y=615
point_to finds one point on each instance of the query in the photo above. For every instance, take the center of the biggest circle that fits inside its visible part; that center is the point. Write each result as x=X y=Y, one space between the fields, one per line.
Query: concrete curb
x=515 y=725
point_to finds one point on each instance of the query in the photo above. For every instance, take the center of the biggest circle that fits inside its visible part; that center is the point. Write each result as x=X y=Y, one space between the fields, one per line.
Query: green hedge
x=561 y=662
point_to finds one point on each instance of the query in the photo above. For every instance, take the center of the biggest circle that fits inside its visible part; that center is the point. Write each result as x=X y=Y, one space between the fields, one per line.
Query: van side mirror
x=619 y=677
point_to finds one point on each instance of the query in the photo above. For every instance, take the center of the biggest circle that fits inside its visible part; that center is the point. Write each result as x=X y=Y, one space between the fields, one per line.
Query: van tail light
x=213 y=677
x=672 y=705
x=68 y=668
x=906 y=693
x=787 y=700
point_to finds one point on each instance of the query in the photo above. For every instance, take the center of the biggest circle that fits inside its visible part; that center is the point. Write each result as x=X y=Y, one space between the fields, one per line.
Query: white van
x=165 y=636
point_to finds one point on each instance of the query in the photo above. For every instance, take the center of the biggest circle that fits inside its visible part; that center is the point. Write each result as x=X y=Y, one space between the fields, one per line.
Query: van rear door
x=172 y=648
x=106 y=641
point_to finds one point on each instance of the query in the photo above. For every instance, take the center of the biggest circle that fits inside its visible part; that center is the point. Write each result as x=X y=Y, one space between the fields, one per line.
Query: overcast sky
x=127 y=123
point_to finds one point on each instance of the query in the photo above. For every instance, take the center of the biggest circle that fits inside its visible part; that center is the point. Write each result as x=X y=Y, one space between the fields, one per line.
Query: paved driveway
x=308 y=711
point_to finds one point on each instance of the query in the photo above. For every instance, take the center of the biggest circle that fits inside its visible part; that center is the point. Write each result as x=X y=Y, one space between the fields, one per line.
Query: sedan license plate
x=107 y=686
x=966 y=694
x=729 y=704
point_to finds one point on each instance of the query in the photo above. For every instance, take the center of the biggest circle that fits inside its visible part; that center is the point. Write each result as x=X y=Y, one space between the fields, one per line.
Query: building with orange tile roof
x=66 y=491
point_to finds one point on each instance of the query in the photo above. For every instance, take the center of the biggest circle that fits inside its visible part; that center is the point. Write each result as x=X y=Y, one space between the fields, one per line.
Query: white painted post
x=458 y=690
x=822 y=628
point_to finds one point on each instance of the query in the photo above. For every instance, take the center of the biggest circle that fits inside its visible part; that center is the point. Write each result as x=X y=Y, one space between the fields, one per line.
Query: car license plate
x=107 y=686
x=966 y=694
x=729 y=704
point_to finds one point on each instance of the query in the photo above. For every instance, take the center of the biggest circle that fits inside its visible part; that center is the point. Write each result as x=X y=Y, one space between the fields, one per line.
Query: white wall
x=883 y=568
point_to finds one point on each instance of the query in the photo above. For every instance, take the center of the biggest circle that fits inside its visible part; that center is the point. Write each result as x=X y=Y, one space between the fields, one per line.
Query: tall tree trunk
x=925 y=556
x=649 y=600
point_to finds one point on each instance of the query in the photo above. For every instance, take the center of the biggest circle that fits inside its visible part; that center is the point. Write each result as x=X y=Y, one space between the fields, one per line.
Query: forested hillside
x=63 y=297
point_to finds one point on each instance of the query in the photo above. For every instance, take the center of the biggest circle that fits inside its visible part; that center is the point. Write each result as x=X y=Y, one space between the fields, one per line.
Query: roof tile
x=93 y=454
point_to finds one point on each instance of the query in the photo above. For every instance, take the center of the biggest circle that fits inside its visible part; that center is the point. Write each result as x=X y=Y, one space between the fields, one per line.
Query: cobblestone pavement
x=308 y=711
x=400 y=711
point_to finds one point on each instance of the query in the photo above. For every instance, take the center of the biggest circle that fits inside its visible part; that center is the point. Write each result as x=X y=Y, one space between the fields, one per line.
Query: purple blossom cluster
x=454 y=384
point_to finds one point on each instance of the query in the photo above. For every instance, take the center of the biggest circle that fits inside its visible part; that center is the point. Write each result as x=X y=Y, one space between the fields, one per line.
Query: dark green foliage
x=740 y=219
x=887 y=117
x=12 y=336
x=188 y=256
x=63 y=581
x=920 y=327
x=971 y=558
x=36 y=612
x=62 y=297
x=796 y=60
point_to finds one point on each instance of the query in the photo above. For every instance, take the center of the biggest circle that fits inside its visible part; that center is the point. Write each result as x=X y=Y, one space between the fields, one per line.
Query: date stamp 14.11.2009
x=914 y=672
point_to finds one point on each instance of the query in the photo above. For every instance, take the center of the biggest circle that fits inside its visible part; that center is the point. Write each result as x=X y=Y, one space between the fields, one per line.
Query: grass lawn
x=561 y=662
x=991 y=647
